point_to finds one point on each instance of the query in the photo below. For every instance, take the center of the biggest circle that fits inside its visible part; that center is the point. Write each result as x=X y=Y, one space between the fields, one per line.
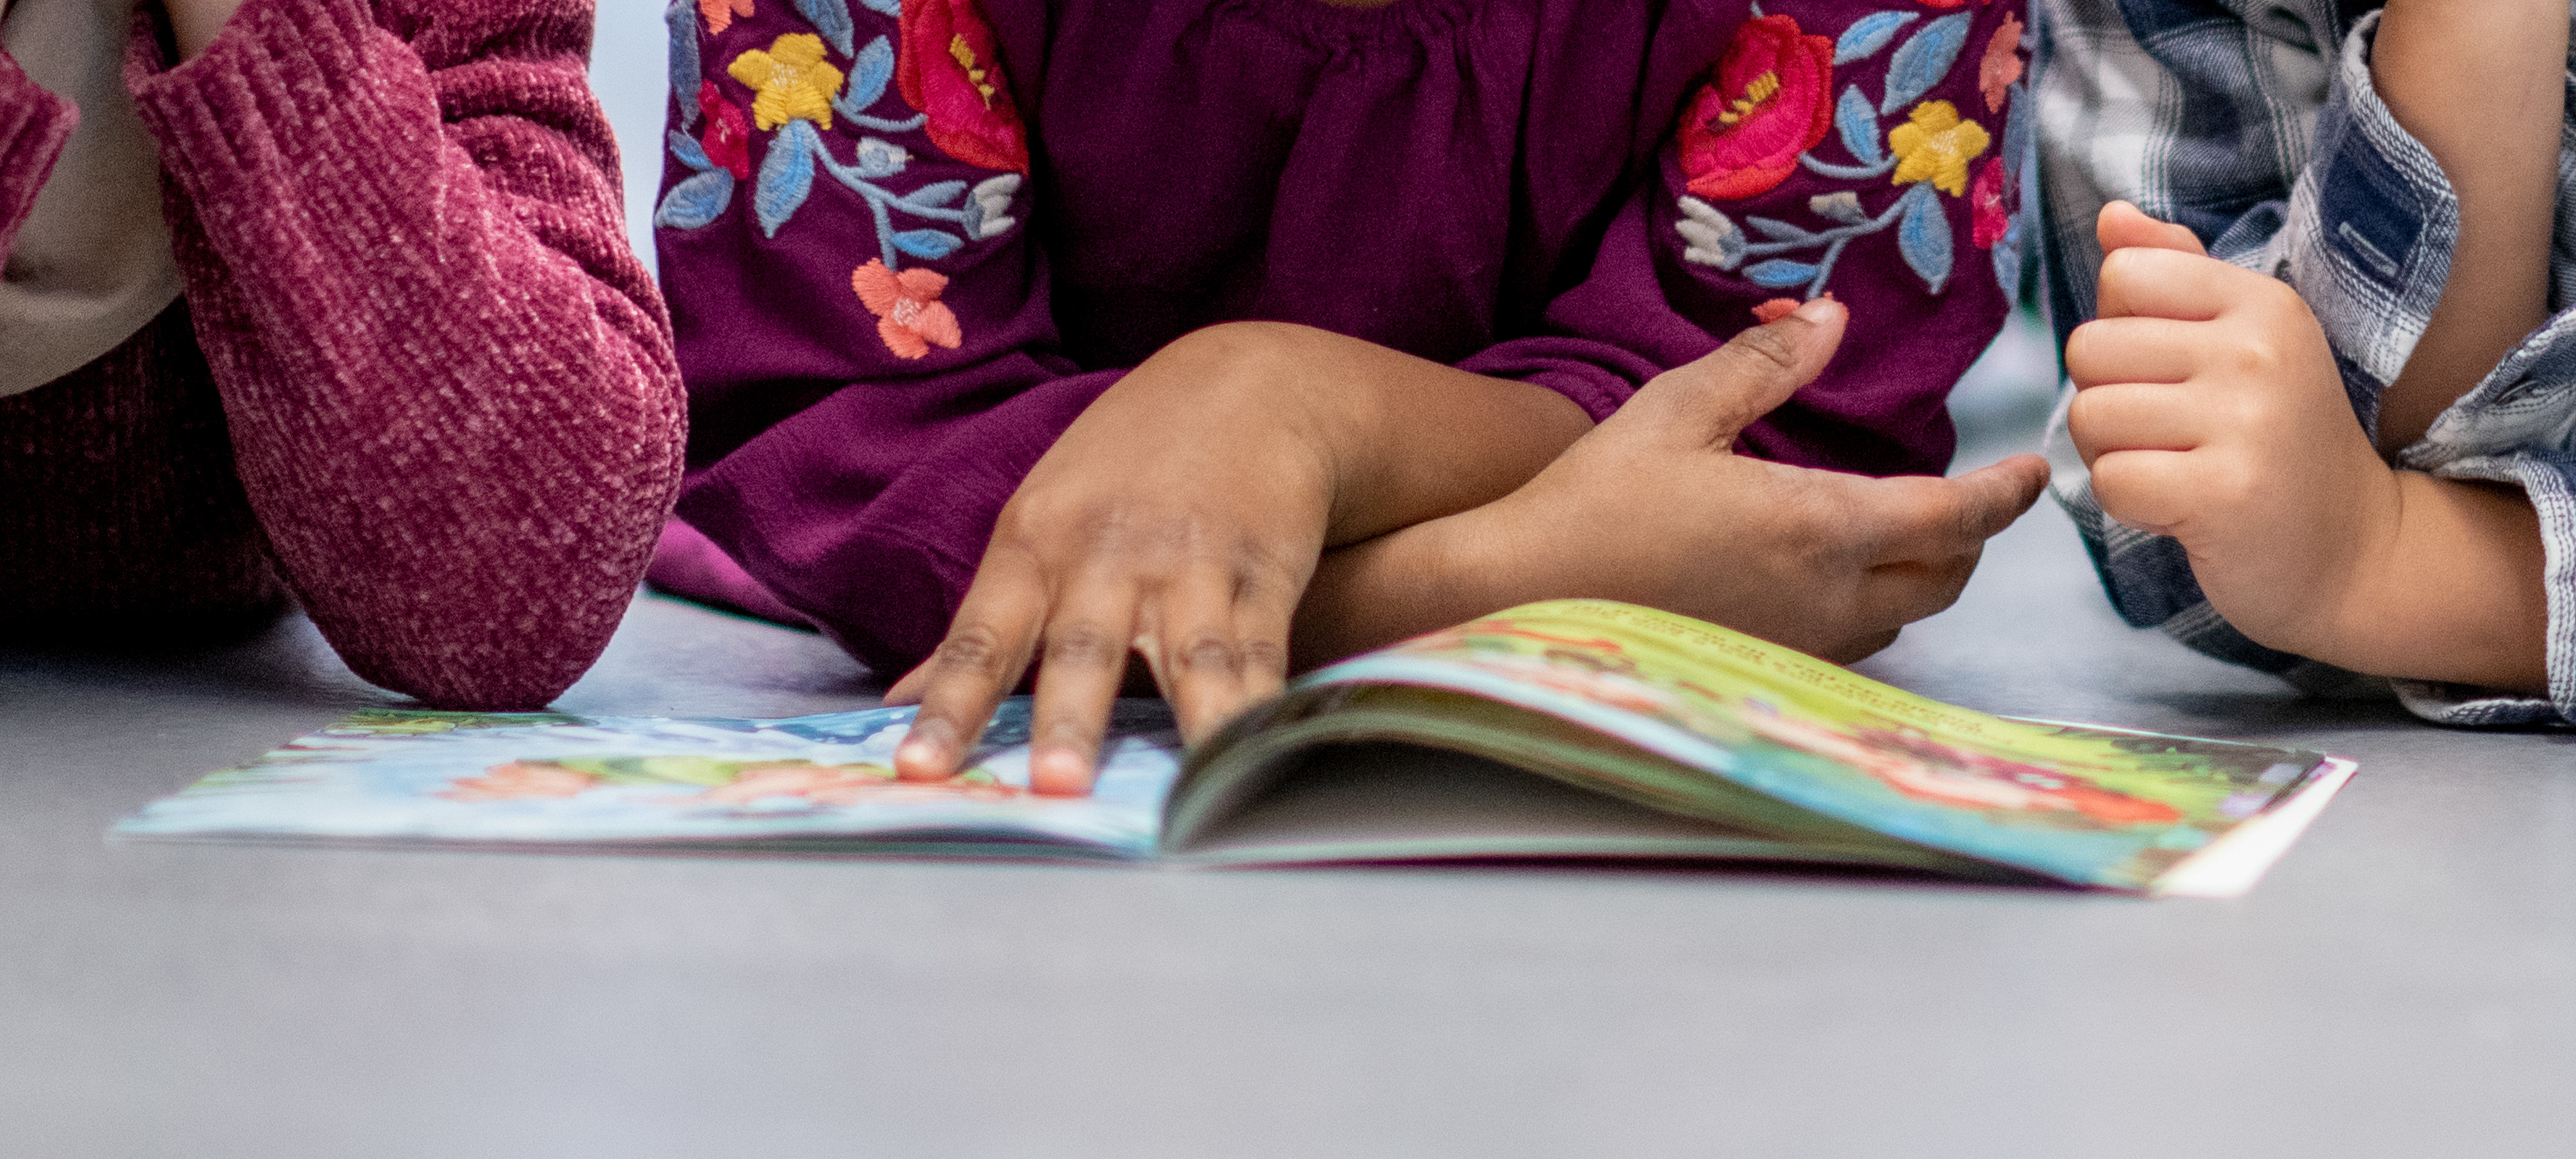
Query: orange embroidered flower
x=720 y=13
x=1935 y=145
x=2002 y=64
x=910 y=316
x=520 y=779
x=793 y=82
x=1772 y=311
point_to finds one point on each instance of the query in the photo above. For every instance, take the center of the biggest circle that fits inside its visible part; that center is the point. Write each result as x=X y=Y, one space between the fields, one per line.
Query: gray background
x=2400 y=985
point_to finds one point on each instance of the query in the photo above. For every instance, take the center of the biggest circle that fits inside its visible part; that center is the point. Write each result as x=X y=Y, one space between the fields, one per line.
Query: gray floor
x=2403 y=984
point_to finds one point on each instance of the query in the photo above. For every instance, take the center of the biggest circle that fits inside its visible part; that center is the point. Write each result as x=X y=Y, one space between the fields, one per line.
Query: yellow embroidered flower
x=793 y=81
x=1935 y=145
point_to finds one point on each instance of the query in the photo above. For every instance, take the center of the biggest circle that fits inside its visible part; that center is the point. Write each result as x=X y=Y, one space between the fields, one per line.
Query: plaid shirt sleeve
x=2256 y=125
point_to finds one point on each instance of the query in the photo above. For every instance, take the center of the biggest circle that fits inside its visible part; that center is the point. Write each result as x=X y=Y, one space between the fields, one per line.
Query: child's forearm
x=1408 y=439
x=2453 y=591
x=2481 y=84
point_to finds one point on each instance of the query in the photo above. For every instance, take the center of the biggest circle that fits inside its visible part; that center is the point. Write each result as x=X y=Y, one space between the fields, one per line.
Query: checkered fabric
x=2254 y=123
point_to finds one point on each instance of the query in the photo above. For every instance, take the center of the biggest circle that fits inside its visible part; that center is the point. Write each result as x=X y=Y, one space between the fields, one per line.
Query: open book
x=1575 y=728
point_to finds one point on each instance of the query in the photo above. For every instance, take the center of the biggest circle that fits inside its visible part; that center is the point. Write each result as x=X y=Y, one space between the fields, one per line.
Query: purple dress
x=904 y=252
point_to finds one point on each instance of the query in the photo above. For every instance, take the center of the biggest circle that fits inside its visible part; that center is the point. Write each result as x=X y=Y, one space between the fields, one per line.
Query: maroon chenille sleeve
x=449 y=383
x=33 y=126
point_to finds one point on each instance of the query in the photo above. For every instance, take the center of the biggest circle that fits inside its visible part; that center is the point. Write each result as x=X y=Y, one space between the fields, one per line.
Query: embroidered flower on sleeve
x=910 y=317
x=950 y=71
x=793 y=81
x=1769 y=103
x=1935 y=145
x=2002 y=64
x=720 y=13
x=728 y=138
x=1986 y=202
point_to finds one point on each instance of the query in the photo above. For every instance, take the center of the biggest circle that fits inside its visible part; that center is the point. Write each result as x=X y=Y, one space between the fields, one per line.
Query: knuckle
x=1767 y=349
x=1083 y=644
x=974 y=649
x=1207 y=654
x=1267 y=658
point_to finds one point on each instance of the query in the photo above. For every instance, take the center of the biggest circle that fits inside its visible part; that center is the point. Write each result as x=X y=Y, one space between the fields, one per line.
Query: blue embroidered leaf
x=1923 y=236
x=868 y=76
x=1778 y=230
x=683 y=20
x=1858 y=124
x=696 y=201
x=1780 y=273
x=884 y=7
x=937 y=193
x=1843 y=207
x=2017 y=143
x=1920 y=63
x=1869 y=34
x=832 y=19
x=690 y=153
x=926 y=243
x=2008 y=262
x=786 y=175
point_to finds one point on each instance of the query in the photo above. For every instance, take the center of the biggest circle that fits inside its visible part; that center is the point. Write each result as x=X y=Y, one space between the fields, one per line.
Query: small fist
x=2210 y=409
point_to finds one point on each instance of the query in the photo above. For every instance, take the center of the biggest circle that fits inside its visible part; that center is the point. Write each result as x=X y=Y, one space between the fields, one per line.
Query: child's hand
x=1179 y=517
x=2209 y=409
x=1654 y=507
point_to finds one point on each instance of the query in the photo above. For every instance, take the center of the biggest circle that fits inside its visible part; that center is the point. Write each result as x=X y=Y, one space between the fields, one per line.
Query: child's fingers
x=2151 y=490
x=2157 y=283
x=1197 y=649
x=986 y=649
x=1918 y=519
x=1084 y=659
x=1904 y=592
x=2135 y=350
x=2132 y=416
x=1750 y=376
x=2121 y=225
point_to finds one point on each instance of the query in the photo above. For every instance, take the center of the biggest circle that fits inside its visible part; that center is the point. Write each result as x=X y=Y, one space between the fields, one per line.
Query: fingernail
x=1059 y=772
x=916 y=753
x=1818 y=310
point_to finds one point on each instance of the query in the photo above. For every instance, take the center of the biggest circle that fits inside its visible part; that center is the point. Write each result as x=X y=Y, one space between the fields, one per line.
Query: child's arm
x=448 y=383
x=2210 y=409
x=2481 y=83
x=1183 y=514
x=33 y=126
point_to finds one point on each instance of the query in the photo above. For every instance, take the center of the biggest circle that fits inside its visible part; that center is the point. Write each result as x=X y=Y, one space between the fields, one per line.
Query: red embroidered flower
x=1986 y=202
x=910 y=316
x=728 y=138
x=949 y=70
x=2002 y=63
x=1768 y=104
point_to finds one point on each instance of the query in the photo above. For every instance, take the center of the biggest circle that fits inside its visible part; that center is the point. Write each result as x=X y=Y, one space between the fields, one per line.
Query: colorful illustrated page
x=540 y=778
x=2088 y=805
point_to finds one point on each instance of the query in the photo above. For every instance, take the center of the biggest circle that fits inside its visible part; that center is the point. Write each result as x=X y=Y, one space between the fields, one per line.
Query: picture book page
x=542 y=778
x=2100 y=807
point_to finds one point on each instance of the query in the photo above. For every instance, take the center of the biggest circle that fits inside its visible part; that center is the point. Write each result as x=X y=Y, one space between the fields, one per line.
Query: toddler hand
x=1654 y=507
x=2209 y=409
x=1179 y=517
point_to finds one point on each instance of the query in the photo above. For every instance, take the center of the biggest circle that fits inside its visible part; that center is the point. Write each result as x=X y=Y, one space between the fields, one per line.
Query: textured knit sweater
x=906 y=245
x=417 y=380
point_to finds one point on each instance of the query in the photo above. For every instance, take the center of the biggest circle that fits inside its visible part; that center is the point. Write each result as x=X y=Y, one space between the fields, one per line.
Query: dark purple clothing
x=1495 y=184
